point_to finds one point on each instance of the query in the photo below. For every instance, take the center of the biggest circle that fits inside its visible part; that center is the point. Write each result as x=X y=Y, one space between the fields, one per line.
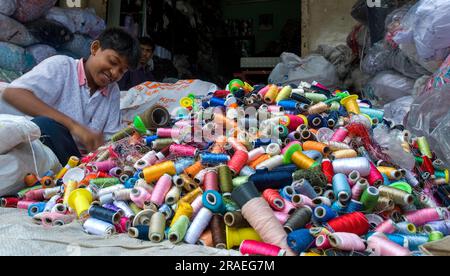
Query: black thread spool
x=104 y=214
x=299 y=219
x=235 y=220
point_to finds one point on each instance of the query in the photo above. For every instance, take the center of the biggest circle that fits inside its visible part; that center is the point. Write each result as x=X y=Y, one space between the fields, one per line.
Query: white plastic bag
x=19 y=161
x=15 y=130
x=397 y=110
x=294 y=69
x=6 y=108
x=388 y=86
x=142 y=97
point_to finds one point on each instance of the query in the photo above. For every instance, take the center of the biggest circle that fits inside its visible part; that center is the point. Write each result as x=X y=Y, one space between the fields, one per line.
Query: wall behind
x=282 y=10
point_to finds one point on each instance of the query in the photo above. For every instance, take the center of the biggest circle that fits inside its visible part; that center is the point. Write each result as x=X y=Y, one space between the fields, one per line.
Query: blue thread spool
x=300 y=240
x=240 y=93
x=286 y=168
x=213 y=102
x=386 y=179
x=138 y=174
x=214 y=159
x=261 y=142
x=332 y=118
x=314 y=154
x=304 y=187
x=354 y=206
x=342 y=111
x=368 y=102
x=149 y=139
x=130 y=183
x=213 y=201
x=324 y=213
x=140 y=232
x=273 y=180
x=338 y=207
x=183 y=164
x=373 y=113
x=287 y=193
x=290 y=105
x=316 y=121
x=414 y=241
x=341 y=187
x=166 y=210
x=36 y=208
x=230 y=205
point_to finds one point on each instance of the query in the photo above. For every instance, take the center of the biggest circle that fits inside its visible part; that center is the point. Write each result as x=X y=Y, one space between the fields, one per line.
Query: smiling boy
x=77 y=100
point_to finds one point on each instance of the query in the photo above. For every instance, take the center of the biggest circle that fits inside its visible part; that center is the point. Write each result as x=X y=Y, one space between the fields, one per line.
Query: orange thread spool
x=192 y=195
x=30 y=180
x=193 y=170
x=318 y=146
x=153 y=173
x=47 y=182
x=259 y=160
x=206 y=238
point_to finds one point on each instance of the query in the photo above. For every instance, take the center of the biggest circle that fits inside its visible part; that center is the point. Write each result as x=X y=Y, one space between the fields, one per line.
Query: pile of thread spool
x=302 y=176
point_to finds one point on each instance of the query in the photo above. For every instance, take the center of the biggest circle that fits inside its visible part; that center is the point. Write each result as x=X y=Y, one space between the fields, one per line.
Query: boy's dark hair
x=123 y=43
x=147 y=41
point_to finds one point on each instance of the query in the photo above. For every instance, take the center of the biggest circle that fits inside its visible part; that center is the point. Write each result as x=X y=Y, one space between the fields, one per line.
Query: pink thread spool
x=56 y=219
x=260 y=249
x=424 y=216
x=139 y=196
x=289 y=207
x=299 y=201
x=237 y=146
x=24 y=204
x=104 y=166
x=275 y=108
x=347 y=242
x=116 y=171
x=375 y=178
x=197 y=205
x=168 y=132
x=281 y=216
x=161 y=189
x=123 y=225
x=262 y=92
x=183 y=150
x=359 y=189
x=382 y=246
x=238 y=161
x=294 y=122
x=386 y=227
x=147 y=160
x=35 y=195
x=339 y=135
x=283 y=151
x=211 y=181
x=322 y=242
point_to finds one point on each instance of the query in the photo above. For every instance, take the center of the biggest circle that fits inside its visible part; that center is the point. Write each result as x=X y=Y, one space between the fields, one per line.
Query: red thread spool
x=238 y=161
x=183 y=150
x=104 y=166
x=427 y=165
x=31 y=180
x=360 y=130
x=221 y=93
x=274 y=199
x=9 y=202
x=355 y=223
x=260 y=249
x=327 y=169
x=35 y=195
x=375 y=178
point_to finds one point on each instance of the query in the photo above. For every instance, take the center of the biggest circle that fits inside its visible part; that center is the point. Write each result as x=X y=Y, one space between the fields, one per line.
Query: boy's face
x=147 y=54
x=106 y=66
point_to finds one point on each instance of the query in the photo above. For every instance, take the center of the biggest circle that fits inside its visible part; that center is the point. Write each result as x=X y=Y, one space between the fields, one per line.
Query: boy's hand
x=90 y=139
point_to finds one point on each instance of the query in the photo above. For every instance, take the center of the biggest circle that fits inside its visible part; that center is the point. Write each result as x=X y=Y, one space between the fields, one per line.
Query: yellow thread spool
x=154 y=173
x=392 y=173
x=80 y=200
x=192 y=195
x=68 y=189
x=302 y=161
x=284 y=94
x=235 y=236
x=183 y=209
x=271 y=95
x=72 y=163
x=351 y=104
x=347 y=153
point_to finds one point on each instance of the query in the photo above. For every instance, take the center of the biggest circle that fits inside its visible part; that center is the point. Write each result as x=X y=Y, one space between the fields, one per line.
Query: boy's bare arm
x=26 y=102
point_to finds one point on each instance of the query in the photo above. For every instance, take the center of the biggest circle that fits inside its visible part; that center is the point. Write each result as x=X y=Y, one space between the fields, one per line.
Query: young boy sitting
x=77 y=100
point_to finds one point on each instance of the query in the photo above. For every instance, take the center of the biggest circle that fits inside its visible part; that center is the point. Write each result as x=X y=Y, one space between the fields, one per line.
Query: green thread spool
x=419 y=160
x=178 y=230
x=136 y=210
x=369 y=198
x=225 y=179
x=105 y=182
x=314 y=175
x=316 y=97
x=443 y=174
x=281 y=130
x=335 y=106
x=284 y=94
x=373 y=113
x=402 y=186
x=333 y=100
x=424 y=147
x=230 y=205
x=159 y=144
x=238 y=181
x=435 y=236
x=124 y=133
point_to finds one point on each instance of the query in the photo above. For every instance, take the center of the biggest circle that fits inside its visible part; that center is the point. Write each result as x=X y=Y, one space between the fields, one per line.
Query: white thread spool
x=110 y=190
x=99 y=228
x=199 y=225
x=273 y=149
x=271 y=163
x=122 y=205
